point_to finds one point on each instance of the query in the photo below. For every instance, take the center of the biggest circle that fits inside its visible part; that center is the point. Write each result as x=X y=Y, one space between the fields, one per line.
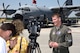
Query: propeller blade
x=3 y=6
x=7 y=6
x=19 y=4
x=2 y=14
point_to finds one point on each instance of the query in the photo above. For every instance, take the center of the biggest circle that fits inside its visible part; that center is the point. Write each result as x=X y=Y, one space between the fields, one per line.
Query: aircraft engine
x=17 y=16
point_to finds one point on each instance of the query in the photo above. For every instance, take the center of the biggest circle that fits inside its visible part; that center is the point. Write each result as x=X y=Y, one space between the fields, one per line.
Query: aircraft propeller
x=4 y=10
x=7 y=11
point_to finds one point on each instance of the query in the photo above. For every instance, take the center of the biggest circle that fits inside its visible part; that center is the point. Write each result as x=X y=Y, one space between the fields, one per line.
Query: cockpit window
x=26 y=9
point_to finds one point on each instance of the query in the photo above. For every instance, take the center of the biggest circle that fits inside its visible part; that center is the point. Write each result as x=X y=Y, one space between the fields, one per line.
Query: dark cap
x=9 y=26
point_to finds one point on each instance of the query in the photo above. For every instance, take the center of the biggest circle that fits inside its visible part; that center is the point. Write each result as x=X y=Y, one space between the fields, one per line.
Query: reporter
x=17 y=44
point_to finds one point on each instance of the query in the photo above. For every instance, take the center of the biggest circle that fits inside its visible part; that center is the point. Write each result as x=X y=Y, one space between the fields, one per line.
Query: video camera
x=34 y=26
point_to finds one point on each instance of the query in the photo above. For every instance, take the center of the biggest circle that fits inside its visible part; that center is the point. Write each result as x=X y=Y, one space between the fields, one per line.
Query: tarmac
x=44 y=37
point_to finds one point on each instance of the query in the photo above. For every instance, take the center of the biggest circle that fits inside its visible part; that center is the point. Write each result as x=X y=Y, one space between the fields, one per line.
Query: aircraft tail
x=69 y=2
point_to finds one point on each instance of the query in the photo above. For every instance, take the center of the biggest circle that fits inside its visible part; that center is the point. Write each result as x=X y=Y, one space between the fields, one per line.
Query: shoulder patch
x=69 y=31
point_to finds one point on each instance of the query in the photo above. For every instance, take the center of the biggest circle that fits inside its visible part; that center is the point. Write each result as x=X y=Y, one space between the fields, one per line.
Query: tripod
x=33 y=46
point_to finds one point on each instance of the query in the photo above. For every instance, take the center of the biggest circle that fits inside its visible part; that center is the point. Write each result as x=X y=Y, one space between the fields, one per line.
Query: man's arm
x=50 y=39
x=68 y=39
x=2 y=46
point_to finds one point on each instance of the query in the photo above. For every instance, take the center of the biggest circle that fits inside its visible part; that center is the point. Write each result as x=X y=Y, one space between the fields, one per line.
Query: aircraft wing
x=66 y=9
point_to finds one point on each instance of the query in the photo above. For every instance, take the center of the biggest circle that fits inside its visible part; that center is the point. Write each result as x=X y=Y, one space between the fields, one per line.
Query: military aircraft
x=25 y=12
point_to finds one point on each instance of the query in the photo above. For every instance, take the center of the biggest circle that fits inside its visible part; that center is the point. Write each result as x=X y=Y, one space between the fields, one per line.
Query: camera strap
x=20 y=45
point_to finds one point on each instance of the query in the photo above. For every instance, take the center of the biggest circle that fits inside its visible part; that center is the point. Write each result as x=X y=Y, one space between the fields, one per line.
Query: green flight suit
x=63 y=37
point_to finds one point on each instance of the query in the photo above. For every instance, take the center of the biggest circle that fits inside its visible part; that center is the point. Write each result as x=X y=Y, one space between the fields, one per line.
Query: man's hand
x=53 y=44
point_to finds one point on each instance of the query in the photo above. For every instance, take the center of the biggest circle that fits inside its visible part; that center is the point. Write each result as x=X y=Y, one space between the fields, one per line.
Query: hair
x=18 y=25
x=57 y=14
x=8 y=26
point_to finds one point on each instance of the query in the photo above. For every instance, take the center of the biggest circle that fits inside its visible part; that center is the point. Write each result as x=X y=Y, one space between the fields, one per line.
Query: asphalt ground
x=44 y=37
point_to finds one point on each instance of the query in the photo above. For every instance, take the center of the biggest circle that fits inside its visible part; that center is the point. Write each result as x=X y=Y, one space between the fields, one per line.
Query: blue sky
x=47 y=3
x=14 y=4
